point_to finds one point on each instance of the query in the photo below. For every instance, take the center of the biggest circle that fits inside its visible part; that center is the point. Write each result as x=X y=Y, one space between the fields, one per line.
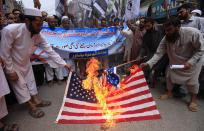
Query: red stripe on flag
x=78 y=106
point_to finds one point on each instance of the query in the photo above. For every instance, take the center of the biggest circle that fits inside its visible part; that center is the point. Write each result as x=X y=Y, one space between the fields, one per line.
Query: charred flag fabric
x=81 y=106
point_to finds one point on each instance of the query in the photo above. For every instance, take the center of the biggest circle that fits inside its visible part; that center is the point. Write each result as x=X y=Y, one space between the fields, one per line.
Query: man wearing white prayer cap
x=196 y=12
x=18 y=42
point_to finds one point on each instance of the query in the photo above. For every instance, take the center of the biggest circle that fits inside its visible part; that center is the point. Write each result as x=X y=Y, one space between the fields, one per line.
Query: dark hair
x=172 y=21
x=184 y=6
x=149 y=19
x=14 y=10
x=116 y=19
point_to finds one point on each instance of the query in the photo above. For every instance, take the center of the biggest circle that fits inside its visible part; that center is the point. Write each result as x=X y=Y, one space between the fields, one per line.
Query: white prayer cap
x=197 y=11
x=64 y=17
x=50 y=16
x=137 y=22
x=32 y=12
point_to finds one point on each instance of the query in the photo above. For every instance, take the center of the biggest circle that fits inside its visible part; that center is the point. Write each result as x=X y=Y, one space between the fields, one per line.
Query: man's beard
x=32 y=30
x=172 y=38
x=141 y=26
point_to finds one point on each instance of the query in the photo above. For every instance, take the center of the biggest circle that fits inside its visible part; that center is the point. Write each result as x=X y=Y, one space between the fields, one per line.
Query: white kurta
x=3 y=108
x=4 y=90
x=16 y=47
x=129 y=41
x=50 y=70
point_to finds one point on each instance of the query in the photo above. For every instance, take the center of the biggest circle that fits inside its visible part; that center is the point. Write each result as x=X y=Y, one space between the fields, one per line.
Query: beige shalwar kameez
x=188 y=48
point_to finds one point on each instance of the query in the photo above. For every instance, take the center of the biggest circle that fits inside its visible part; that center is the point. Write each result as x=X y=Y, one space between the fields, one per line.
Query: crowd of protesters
x=177 y=41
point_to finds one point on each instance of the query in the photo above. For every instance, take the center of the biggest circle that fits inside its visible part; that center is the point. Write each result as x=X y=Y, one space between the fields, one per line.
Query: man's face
x=75 y=22
x=36 y=25
x=103 y=23
x=172 y=33
x=142 y=23
x=11 y=18
x=16 y=14
x=52 y=23
x=66 y=23
x=129 y=24
x=148 y=26
x=116 y=23
x=183 y=14
x=56 y=22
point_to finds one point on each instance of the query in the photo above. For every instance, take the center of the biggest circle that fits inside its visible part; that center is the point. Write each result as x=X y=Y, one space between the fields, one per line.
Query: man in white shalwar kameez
x=184 y=46
x=51 y=67
x=128 y=33
x=4 y=90
x=18 y=42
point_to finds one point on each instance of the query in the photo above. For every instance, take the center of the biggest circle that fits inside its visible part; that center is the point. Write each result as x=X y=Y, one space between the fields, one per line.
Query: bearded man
x=188 y=20
x=18 y=42
x=184 y=46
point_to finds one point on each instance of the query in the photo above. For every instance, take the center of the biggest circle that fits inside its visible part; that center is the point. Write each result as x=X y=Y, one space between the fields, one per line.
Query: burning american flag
x=83 y=105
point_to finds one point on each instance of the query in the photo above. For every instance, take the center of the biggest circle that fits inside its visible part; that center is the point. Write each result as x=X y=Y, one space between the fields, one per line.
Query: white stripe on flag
x=148 y=113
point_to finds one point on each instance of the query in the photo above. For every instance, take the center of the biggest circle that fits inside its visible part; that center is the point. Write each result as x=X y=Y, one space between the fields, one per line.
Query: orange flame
x=134 y=69
x=101 y=91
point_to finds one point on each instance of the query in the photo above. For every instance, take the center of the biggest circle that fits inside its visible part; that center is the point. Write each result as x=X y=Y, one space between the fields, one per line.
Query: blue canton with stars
x=112 y=77
x=77 y=92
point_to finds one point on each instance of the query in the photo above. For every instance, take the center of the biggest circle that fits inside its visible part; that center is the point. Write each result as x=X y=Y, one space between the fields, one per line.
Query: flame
x=134 y=69
x=101 y=91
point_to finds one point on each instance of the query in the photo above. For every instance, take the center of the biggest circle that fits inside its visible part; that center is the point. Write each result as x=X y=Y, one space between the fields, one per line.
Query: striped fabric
x=135 y=101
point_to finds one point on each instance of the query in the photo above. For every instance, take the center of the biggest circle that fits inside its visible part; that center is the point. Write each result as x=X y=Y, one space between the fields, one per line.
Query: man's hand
x=187 y=66
x=37 y=4
x=68 y=67
x=2 y=62
x=13 y=76
x=143 y=65
x=138 y=58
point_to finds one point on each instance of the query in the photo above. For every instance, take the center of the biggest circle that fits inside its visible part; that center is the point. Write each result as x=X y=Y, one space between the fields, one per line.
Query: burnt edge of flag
x=64 y=98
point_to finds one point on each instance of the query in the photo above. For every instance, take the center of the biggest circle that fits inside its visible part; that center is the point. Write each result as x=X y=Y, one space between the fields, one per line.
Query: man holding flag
x=185 y=49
